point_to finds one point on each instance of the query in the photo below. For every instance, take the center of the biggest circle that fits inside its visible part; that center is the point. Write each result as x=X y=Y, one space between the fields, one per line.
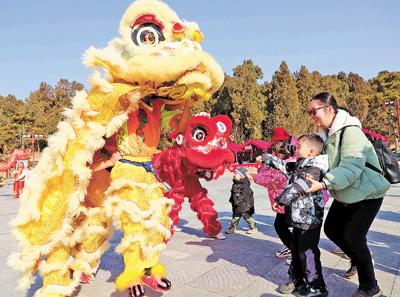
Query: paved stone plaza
x=241 y=265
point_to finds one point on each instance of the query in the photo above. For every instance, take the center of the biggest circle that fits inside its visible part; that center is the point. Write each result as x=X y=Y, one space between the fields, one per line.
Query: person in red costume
x=200 y=151
x=19 y=179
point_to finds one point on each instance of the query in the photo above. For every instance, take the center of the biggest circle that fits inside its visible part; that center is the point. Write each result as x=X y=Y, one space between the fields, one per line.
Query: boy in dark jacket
x=307 y=212
x=242 y=201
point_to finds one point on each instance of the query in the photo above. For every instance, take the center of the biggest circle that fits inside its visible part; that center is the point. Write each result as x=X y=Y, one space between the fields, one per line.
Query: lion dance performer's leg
x=56 y=274
x=97 y=231
x=178 y=197
x=204 y=207
x=138 y=207
x=97 y=228
x=48 y=240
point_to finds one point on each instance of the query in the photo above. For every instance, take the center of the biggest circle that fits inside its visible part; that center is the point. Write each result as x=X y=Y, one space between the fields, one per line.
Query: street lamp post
x=33 y=138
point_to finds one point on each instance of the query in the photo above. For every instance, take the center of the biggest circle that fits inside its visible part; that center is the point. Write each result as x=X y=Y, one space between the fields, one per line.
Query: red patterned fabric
x=274 y=180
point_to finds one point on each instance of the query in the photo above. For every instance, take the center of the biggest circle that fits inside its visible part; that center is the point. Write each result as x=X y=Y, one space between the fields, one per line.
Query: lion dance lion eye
x=199 y=134
x=147 y=35
x=221 y=127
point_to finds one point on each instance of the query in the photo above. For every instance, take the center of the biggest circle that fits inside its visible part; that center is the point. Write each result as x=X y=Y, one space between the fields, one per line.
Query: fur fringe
x=90 y=257
x=50 y=166
x=58 y=289
x=115 y=206
x=149 y=250
x=46 y=268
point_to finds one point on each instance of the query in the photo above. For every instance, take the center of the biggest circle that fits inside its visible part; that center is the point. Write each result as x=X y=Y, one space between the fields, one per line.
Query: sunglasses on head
x=313 y=111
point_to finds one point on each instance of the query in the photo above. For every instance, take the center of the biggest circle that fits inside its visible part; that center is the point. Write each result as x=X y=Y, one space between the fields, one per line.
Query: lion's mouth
x=193 y=85
x=214 y=164
x=212 y=173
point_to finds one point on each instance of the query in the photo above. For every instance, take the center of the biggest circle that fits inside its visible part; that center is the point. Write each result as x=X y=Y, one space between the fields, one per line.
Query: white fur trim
x=179 y=139
x=98 y=82
x=58 y=289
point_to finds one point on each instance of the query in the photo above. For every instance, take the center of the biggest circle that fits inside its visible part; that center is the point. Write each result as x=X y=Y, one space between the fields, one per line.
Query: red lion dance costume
x=149 y=76
x=199 y=152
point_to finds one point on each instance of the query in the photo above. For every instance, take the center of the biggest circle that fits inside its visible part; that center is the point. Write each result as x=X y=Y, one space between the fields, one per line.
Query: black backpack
x=387 y=160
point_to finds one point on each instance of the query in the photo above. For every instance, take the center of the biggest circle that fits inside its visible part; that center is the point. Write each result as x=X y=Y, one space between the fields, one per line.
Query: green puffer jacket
x=348 y=179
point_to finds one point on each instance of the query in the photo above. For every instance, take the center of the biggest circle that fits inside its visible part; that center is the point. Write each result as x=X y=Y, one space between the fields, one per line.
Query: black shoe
x=352 y=271
x=291 y=287
x=375 y=292
x=311 y=292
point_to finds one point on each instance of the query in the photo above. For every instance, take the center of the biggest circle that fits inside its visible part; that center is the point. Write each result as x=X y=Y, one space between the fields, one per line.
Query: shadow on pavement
x=256 y=255
x=389 y=216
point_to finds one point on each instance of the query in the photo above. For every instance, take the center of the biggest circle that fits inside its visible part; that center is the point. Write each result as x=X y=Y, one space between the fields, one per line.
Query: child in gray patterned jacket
x=307 y=211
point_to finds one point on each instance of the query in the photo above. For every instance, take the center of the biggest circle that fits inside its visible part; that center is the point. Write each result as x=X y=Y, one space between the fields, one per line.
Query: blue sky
x=44 y=40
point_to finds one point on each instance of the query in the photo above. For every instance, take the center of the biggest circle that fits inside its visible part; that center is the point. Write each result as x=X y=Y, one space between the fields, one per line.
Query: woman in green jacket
x=357 y=189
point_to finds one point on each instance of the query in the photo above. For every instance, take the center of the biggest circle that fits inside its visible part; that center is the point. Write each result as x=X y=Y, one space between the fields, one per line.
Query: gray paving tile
x=241 y=265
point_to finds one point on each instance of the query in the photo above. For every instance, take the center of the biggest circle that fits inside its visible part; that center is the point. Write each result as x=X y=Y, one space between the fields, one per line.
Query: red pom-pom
x=178 y=28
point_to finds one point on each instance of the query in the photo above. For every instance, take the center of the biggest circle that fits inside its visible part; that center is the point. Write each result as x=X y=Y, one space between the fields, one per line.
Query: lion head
x=157 y=48
x=205 y=144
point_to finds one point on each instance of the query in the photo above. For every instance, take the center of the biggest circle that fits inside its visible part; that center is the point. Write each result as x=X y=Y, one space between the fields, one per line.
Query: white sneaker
x=219 y=236
x=284 y=253
x=251 y=231
x=176 y=228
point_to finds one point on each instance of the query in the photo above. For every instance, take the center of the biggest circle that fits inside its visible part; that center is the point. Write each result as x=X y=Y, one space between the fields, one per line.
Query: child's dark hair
x=281 y=147
x=315 y=140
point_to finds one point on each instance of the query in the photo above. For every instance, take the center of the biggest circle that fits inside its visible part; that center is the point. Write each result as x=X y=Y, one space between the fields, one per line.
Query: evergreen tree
x=308 y=85
x=359 y=96
x=283 y=103
x=47 y=104
x=383 y=118
x=337 y=86
x=39 y=114
x=13 y=122
x=241 y=97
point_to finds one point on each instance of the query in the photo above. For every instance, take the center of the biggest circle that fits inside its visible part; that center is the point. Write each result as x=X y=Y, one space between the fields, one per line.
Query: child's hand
x=275 y=206
x=309 y=177
x=315 y=186
x=252 y=171
x=259 y=159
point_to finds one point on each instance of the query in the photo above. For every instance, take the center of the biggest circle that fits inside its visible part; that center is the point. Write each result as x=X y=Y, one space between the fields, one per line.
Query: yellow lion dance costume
x=150 y=75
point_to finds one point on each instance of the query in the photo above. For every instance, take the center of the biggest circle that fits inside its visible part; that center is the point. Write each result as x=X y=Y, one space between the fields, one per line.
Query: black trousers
x=306 y=263
x=347 y=226
x=282 y=229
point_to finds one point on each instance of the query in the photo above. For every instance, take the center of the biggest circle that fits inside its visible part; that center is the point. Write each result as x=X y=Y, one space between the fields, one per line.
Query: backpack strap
x=341 y=137
x=369 y=165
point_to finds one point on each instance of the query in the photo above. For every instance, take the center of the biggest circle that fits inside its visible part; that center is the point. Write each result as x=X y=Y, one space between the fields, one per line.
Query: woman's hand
x=114 y=158
x=315 y=186
x=259 y=159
